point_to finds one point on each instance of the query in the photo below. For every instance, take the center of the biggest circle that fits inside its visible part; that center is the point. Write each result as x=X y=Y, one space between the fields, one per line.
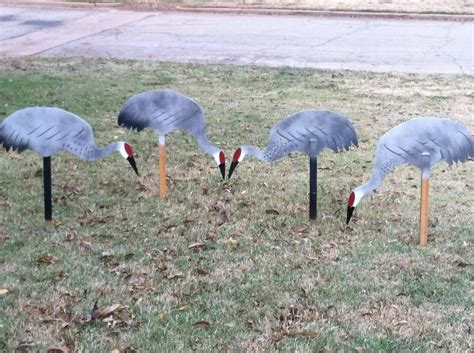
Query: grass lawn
x=232 y=266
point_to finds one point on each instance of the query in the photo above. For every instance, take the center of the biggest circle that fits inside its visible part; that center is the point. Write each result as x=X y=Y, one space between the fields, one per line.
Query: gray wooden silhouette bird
x=329 y=129
x=308 y=132
x=48 y=130
x=165 y=111
x=421 y=142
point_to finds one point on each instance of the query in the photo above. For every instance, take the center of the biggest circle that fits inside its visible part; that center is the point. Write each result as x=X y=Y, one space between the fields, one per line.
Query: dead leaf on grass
x=4 y=291
x=196 y=245
x=98 y=313
x=24 y=346
x=56 y=349
x=46 y=260
x=201 y=324
x=314 y=258
x=188 y=221
x=274 y=212
x=174 y=276
x=232 y=241
x=461 y=264
x=106 y=255
x=201 y=271
x=3 y=237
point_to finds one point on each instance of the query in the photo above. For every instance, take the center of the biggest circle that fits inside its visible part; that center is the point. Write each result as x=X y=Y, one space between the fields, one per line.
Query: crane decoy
x=165 y=111
x=309 y=132
x=421 y=142
x=48 y=130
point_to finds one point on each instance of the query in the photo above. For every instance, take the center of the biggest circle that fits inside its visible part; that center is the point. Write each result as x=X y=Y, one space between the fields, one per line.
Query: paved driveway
x=376 y=45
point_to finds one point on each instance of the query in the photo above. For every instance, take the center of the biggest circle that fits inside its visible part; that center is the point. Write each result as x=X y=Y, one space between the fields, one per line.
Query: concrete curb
x=321 y=13
x=61 y=4
x=254 y=10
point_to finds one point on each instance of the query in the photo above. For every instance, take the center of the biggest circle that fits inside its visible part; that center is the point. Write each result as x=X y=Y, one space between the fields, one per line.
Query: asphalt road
x=418 y=46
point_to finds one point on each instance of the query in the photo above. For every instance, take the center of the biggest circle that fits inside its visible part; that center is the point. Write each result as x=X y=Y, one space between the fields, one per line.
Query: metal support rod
x=48 y=200
x=313 y=180
x=425 y=186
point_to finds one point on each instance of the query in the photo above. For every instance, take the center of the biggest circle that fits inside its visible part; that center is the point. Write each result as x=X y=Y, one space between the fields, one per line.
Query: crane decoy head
x=239 y=155
x=352 y=202
x=219 y=156
x=127 y=152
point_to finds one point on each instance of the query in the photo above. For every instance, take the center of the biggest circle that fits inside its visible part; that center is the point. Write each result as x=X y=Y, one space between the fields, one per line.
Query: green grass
x=263 y=282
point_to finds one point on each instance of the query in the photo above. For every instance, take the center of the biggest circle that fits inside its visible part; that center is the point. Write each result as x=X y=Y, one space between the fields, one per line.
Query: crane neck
x=374 y=181
x=100 y=152
x=203 y=142
x=254 y=152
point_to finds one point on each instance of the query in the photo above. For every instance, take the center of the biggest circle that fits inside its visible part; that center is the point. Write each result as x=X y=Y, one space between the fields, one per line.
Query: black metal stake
x=313 y=180
x=48 y=201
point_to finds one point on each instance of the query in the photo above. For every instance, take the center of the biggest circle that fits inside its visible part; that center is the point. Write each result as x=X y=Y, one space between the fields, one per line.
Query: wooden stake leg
x=424 y=212
x=162 y=161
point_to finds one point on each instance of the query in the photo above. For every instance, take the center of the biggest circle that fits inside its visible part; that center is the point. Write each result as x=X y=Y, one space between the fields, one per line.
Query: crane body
x=165 y=111
x=421 y=142
x=46 y=131
x=308 y=132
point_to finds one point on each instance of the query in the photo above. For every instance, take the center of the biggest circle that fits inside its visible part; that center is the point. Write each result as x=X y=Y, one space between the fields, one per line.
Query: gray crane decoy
x=48 y=130
x=421 y=142
x=309 y=132
x=165 y=111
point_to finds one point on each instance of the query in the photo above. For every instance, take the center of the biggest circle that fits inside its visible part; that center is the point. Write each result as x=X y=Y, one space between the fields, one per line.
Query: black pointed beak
x=131 y=160
x=350 y=210
x=222 y=168
x=233 y=165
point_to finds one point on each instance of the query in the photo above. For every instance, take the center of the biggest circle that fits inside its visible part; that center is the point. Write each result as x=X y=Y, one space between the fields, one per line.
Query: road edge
x=253 y=10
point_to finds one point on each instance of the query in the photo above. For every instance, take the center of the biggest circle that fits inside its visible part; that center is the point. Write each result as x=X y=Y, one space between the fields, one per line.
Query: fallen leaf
x=461 y=264
x=4 y=291
x=161 y=315
x=174 y=276
x=196 y=245
x=311 y=258
x=106 y=255
x=184 y=308
x=306 y=333
x=98 y=313
x=56 y=349
x=274 y=212
x=201 y=271
x=114 y=351
x=201 y=324
x=232 y=241
x=46 y=259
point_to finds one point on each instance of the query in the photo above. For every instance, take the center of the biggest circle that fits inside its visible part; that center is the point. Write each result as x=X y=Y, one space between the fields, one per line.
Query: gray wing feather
x=45 y=130
x=329 y=129
x=162 y=111
x=443 y=138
